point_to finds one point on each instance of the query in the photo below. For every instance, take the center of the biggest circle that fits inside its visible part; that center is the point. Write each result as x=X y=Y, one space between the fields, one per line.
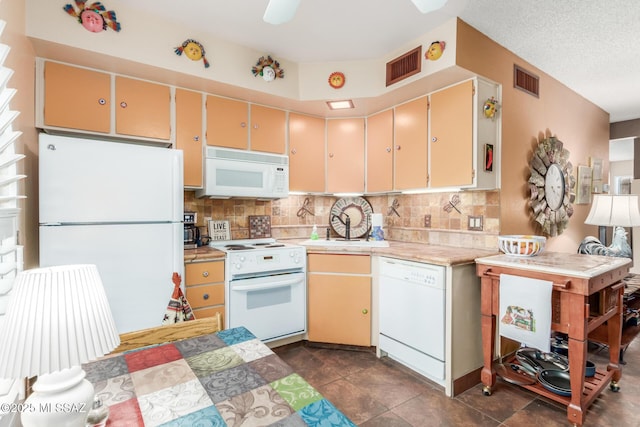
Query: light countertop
x=568 y=264
x=419 y=252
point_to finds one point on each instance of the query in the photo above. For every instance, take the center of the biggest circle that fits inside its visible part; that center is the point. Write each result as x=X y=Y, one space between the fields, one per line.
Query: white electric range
x=265 y=285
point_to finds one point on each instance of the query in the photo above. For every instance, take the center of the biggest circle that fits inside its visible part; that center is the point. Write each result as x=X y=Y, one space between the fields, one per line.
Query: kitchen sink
x=349 y=243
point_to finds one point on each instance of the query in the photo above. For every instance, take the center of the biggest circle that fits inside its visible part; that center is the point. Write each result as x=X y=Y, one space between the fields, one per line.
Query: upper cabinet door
x=411 y=155
x=380 y=152
x=143 y=108
x=345 y=163
x=227 y=122
x=268 y=129
x=452 y=136
x=189 y=134
x=77 y=98
x=306 y=153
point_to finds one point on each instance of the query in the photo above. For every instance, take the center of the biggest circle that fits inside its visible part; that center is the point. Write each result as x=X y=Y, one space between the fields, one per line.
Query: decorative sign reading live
x=219 y=230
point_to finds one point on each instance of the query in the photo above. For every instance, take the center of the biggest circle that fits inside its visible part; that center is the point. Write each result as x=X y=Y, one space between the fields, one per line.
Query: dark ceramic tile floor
x=376 y=392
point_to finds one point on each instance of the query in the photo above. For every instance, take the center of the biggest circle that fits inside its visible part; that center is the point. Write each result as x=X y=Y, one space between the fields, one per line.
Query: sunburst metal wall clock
x=552 y=186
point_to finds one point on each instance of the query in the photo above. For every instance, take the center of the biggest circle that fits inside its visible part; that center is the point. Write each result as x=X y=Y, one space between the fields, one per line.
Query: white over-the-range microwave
x=239 y=173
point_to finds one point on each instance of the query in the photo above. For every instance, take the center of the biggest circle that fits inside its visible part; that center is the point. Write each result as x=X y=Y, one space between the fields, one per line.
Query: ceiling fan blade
x=426 y=6
x=280 y=11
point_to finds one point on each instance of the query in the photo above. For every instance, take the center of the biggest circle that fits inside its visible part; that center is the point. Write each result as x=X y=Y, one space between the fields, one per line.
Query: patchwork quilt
x=229 y=378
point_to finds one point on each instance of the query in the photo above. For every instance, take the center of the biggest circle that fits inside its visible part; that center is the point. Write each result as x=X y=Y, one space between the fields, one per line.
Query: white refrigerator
x=119 y=206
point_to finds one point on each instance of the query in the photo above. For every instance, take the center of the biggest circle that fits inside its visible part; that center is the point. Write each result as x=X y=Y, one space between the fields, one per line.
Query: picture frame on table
x=583 y=193
x=219 y=230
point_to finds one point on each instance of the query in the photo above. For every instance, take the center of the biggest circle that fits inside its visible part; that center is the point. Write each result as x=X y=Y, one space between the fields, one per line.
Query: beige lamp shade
x=58 y=317
x=614 y=210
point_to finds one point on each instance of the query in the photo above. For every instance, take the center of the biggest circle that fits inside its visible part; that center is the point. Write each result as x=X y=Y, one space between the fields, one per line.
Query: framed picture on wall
x=596 y=177
x=583 y=193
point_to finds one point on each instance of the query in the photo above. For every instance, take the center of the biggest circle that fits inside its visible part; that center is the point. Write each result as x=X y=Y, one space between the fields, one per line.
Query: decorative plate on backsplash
x=359 y=211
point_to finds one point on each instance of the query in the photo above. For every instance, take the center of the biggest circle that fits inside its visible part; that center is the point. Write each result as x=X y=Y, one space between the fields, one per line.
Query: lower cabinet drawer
x=201 y=313
x=198 y=273
x=206 y=295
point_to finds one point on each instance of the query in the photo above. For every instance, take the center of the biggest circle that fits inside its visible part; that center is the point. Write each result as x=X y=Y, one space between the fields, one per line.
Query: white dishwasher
x=412 y=315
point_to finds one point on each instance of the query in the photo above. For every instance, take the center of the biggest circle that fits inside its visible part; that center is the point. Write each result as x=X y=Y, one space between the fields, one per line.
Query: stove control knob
x=242 y=259
x=238 y=266
x=292 y=254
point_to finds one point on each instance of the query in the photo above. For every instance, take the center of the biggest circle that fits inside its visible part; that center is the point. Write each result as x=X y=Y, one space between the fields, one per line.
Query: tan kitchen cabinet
x=143 y=108
x=306 y=153
x=189 y=134
x=411 y=149
x=451 y=139
x=237 y=124
x=76 y=98
x=79 y=99
x=204 y=283
x=227 y=122
x=339 y=292
x=345 y=152
x=380 y=152
x=268 y=129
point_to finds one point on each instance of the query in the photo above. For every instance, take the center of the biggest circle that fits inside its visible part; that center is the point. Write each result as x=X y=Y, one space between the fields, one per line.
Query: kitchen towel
x=525 y=311
x=179 y=309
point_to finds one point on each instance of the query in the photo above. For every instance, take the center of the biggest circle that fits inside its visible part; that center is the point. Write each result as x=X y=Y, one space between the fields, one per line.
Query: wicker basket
x=521 y=245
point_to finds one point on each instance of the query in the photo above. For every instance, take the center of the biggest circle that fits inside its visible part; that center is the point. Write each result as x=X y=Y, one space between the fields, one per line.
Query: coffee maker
x=191 y=231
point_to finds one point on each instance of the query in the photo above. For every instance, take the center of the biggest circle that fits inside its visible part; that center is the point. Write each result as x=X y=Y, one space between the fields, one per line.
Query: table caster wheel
x=486 y=390
x=614 y=386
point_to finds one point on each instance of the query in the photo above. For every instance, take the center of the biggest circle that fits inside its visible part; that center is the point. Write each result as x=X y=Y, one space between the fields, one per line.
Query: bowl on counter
x=521 y=244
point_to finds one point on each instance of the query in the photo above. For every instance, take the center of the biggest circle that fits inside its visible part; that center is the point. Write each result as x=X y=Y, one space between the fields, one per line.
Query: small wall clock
x=552 y=186
x=336 y=80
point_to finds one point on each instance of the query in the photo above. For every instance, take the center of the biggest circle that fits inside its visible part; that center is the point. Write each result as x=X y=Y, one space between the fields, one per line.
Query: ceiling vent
x=526 y=81
x=404 y=66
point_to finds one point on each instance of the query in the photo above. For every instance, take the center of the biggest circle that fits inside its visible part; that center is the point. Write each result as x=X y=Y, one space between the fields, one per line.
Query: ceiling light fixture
x=340 y=105
x=280 y=11
x=426 y=6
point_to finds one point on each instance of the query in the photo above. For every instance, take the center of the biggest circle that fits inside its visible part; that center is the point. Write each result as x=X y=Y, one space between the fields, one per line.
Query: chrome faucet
x=346 y=223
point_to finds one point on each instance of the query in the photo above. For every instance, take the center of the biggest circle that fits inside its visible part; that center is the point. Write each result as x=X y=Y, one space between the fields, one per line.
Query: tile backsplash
x=436 y=218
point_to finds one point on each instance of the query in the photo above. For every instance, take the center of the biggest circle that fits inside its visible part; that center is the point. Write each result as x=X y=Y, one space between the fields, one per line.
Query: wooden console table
x=587 y=292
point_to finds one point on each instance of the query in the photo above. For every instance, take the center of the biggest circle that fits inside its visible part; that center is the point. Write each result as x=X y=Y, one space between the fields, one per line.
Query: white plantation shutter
x=10 y=252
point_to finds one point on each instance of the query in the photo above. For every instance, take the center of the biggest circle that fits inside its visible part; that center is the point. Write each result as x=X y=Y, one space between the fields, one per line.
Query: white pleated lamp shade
x=614 y=210
x=58 y=317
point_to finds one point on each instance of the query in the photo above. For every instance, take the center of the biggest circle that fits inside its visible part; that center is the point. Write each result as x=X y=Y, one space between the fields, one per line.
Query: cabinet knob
x=331 y=155
x=205 y=296
x=123 y=104
x=205 y=274
x=365 y=311
x=243 y=125
x=388 y=149
x=434 y=139
x=293 y=151
x=102 y=101
x=196 y=138
x=398 y=147
x=255 y=126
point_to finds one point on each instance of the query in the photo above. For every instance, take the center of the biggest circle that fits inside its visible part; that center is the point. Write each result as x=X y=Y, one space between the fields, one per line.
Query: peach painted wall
x=580 y=125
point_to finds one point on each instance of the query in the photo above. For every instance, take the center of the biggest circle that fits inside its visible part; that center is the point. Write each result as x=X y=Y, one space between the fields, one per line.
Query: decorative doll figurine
x=95 y=17
x=435 y=50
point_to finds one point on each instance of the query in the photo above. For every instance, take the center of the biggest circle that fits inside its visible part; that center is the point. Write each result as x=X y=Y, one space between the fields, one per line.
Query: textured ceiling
x=588 y=45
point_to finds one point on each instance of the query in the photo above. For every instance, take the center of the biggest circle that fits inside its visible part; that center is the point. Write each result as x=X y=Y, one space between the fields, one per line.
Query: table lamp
x=57 y=319
x=616 y=211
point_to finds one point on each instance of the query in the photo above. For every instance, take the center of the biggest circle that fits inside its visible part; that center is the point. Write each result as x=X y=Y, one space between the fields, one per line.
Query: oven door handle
x=269 y=285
